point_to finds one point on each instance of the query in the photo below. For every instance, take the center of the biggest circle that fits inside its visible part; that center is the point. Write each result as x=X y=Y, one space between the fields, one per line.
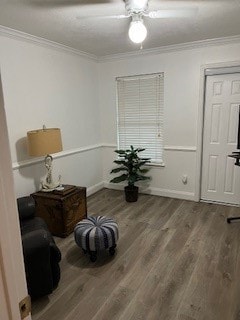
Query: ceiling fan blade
x=184 y=2
x=66 y=3
x=117 y=16
x=173 y=13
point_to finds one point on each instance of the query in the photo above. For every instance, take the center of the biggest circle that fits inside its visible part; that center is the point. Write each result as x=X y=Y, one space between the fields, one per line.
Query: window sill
x=155 y=164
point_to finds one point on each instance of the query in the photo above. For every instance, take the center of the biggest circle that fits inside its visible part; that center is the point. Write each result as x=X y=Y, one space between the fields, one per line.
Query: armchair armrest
x=41 y=255
x=55 y=252
x=26 y=207
x=37 y=259
x=34 y=241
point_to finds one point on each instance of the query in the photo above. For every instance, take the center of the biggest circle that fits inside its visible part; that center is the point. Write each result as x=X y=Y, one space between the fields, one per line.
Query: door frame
x=227 y=67
x=13 y=286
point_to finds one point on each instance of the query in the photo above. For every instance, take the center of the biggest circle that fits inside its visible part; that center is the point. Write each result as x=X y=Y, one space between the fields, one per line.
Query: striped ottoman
x=95 y=234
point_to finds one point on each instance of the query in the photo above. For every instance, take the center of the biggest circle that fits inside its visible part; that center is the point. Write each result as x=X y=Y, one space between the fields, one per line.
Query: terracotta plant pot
x=131 y=193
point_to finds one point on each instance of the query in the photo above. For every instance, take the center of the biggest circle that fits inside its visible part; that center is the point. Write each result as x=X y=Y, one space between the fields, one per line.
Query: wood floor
x=175 y=259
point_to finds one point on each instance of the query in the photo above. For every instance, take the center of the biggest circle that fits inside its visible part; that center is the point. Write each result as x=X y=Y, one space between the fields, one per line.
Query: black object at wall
x=236 y=156
x=238 y=136
x=41 y=255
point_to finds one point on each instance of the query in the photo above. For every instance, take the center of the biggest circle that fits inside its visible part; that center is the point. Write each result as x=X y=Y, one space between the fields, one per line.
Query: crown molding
x=19 y=35
x=171 y=48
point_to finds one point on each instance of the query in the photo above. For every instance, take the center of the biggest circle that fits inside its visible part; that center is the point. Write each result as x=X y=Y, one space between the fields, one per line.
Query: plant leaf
x=120 y=162
x=140 y=177
x=121 y=178
x=145 y=170
x=141 y=163
x=118 y=169
x=120 y=151
x=130 y=162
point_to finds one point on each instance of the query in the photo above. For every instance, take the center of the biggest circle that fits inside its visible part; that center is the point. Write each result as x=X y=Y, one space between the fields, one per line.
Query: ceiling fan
x=137 y=10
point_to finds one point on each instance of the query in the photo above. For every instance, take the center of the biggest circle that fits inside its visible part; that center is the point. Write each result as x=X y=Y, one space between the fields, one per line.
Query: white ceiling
x=72 y=23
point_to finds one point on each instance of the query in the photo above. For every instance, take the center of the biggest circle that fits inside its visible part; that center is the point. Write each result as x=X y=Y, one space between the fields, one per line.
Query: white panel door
x=220 y=177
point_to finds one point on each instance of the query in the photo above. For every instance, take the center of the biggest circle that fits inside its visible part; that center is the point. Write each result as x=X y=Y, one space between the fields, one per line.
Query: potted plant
x=130 y=164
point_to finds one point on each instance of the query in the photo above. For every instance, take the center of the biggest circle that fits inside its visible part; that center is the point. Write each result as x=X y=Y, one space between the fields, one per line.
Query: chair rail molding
x=166 y=147
x=30 y=162
x=180 y=148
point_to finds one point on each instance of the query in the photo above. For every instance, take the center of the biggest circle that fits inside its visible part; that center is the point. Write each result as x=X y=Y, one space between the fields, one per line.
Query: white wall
x=13 y=286
x=45 y=85
x=182 y=109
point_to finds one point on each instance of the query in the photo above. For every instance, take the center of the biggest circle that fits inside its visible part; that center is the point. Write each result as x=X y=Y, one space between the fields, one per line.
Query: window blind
x=140 y=114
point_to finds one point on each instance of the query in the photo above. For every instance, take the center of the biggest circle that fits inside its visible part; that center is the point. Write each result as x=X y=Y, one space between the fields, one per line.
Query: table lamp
x=42 y=142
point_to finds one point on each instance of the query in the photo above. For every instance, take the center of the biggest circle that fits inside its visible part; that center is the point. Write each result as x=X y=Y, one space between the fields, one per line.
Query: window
x=140 y=114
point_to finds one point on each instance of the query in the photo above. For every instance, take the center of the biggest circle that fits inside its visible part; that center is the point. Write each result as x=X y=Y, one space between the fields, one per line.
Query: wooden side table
x=61 y=210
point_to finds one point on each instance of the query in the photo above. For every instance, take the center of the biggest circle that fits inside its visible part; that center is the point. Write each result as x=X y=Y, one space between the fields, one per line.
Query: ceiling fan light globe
x=137 y=31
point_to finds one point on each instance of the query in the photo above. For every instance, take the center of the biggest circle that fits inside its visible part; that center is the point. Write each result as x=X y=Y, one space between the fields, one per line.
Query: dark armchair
x=41 y=255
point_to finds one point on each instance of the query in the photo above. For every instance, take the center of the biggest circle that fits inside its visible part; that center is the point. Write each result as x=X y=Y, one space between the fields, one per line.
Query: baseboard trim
x=220 y=203
x=95 y=188
x=156 y=191
x=170 y=193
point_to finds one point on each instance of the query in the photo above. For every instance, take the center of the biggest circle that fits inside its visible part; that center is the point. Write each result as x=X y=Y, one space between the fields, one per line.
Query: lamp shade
x=44 y=141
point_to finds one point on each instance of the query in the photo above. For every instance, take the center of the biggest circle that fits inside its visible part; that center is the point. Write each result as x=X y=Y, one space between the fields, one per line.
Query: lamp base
x=45 y=187
x=48 y=185
x=47 y=190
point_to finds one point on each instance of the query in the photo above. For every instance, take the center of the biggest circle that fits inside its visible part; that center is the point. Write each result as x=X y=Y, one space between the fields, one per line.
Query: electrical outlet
x=184 y=179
